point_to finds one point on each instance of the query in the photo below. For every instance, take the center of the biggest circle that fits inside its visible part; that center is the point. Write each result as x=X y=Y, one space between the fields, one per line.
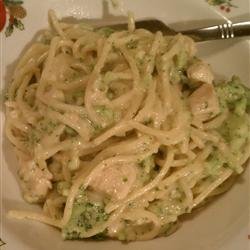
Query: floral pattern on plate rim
x=14 y=10
x=224 y=5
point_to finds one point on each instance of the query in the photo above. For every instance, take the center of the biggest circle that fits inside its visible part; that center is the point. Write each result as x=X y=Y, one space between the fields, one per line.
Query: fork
x=222 y=31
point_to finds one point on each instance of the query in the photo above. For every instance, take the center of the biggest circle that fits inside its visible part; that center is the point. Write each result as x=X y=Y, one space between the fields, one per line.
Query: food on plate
x=119 y=133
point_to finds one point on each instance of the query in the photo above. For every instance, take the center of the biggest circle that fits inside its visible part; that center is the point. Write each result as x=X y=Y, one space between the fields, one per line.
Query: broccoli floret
x=214 y=163
x=236 y=132
x=85 y=215
x=46 y=126
x=181 y=60
x=147 y=169
x=234 y=95
x=240 y=106
x=177 y=72
x=179 y=76
x=234 y=128
x=148 y=163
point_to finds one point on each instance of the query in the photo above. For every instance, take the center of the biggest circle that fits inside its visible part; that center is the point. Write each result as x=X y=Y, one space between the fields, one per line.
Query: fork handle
x=223 y=31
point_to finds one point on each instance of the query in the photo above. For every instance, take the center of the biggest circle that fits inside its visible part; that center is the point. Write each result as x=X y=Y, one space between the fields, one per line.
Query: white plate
x=223 y=225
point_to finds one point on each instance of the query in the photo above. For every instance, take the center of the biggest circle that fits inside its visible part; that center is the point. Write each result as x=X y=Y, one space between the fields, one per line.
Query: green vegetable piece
x=235 y=127
x=236 y=132
x=214 y=163
x=181 y=60
x=148 y=163
x=240 y=106
x=47 y=126
x=231 y=92
x=85 y=215
x=147 y=169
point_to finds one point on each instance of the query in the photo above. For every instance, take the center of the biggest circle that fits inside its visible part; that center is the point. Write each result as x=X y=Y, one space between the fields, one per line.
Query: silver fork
x=222 y=31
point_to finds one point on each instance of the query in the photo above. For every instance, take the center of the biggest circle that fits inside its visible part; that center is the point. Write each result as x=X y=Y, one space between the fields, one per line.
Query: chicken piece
x=200 y=72
x=60 y=69
x=35 y=182
x=204 y=103
x=115 y=181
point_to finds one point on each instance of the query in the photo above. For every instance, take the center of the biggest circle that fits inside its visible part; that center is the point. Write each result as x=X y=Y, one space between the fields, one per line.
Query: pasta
x=118 y=133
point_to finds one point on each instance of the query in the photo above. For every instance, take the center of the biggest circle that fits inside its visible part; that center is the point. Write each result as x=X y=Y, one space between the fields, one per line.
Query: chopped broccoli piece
x=234 y=95
x=85 y=215
x=148 y=163
x=35 y=134
x=181 y=60
x=236 y=132
x=178 y=70
x=147 y=169
x=179 y=76
x=175 y=75
x=214 y=163
x=240 y=106
x=235 y=127
x=33 y=137
x=47 y=126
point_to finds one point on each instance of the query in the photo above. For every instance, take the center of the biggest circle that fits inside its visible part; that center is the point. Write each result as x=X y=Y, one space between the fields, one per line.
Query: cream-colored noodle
x=85 y=101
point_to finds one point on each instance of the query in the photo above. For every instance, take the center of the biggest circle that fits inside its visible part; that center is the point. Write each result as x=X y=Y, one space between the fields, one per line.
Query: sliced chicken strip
x=200 y=72
x=115 y=181
x=204 y=103
x=35 y=182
